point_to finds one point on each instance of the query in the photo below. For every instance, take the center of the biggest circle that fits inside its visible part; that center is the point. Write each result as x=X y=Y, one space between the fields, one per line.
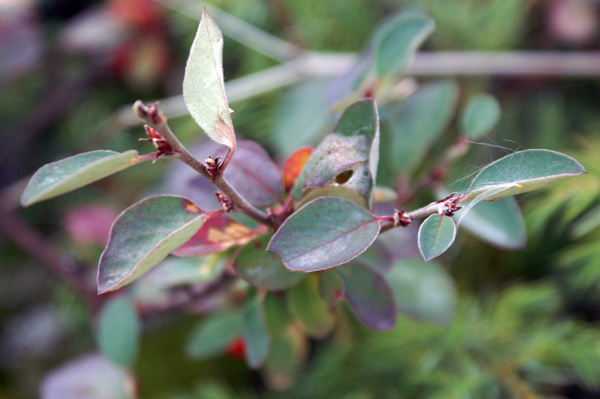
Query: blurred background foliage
x=527 y=320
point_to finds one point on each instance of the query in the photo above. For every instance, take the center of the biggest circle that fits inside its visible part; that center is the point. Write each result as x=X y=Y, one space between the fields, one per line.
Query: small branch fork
x=169 y=146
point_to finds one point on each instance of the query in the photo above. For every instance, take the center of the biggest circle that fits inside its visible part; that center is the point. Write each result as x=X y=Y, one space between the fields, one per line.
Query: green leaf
x=369 y=296
x=277 y=316
x=331 y=287
x=436 y=234
x=480 y=115
x=499 y=223
x=71 y=173
x=362 y=118
x=423 y=290
x=418 y=123
x=285 y=359
x=302 y=116
x=143 y=235
x=306 y=305
x=118 y=331
x=521 y=172
x=399 y=40
x=335 y=191
x=214 y=334
x=264 y=269
x=256 y=336
x=204 y=87
x=325 y=233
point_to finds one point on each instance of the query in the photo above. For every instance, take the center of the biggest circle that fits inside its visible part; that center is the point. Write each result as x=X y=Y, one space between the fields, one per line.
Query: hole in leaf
x=344 y=176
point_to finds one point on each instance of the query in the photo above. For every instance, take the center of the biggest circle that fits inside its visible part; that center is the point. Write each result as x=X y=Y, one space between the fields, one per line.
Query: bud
x=401 y=217
x=213 y=167
x=224 y=201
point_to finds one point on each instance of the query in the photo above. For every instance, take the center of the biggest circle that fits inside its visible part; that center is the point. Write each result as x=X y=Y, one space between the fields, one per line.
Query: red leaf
x=293 y=166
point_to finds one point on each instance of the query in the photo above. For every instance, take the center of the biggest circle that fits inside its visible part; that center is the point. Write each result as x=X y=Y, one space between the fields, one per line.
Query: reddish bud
x=402 y=218
x=213 y=167
x=224 y=201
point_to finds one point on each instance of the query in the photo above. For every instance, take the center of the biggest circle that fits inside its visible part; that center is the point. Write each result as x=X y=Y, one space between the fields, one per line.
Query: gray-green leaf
x=71 y=173
x=436 y=234
x=214 y=334
x=480 y=116
x=118 y=331
x=256 y=336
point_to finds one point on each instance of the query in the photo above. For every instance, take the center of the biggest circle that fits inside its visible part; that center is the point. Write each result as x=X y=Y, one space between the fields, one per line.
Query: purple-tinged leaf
x=325 y=233
x=204 y=87
x=143 y=235
x=256 y=337
x=216 y=235
x=369 y=296
x=521 y=172
x=264 y=269
x=436 y=234
x=331 y=287
x=71 y=173
x=306 y=306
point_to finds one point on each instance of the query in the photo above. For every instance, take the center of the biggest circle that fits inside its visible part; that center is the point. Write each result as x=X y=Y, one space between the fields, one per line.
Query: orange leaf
x=293 y=166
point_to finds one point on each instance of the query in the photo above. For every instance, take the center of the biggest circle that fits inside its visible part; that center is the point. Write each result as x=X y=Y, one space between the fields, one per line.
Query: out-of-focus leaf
x=264 y=269
x=254 y=174
x=118 y=331
x=331 y=287
x=399 y=40
x=91 y=374
x=277 y=315
x=521 y=172
x=423 y=290
x=418 y=122
x=401 y=243
x=499 y=223
x=216 y=235
x=327 y=232
x=175 y=271
x=335 y=191
x=204 y=87
x=256 y=336
x=287 y=354
x=303 y=116
x=306 y=305
x=587 y=223
x=369 y=296
x=71 y=173
x=143 y=235
x=293 y=166
x=345 y=87
x=214 y=334
x=90 y=224
x=480 y=115
x=436 y=234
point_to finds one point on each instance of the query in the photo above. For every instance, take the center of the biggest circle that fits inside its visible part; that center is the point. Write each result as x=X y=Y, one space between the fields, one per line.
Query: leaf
x=436 y=234
x=521 y=172
x=118 y=331
x=286 y=357
x=306 y=305
x=90 y=376
x=204 y=87
x=254 y=174
x=71 y=173
x=480 y=115
x=334 y=191
x=499 y=223
x=399 y=40
x=419 y=122
x=302 y=116
x=369 y=296
x=143 y=235
x=293 y=166
x=331 y=287
x=326 y=232
x=423 y=290
x=214 y=334
x=175 y=271
x=256 y=336
x=277 y=316
x=347 y=87
x=264 y=269
x=362 y=118
x=216 y=235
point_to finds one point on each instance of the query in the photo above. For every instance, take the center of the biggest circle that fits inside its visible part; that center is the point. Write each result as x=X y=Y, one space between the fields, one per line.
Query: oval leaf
x=369 y=296
x=436 y=234
x=293 y=166
x=286 y=357
x=119 y=331
x=256 y=336
x=423 y=290
x=398 y=42
x=306 y=305
x=71 y=173
x=277 y=315
x=143 y=235
x=480 y=116
x=521 y=172
x=214 y=334
x=264 y=269
x=203 y=84
x=327 y=232
x=331 y=288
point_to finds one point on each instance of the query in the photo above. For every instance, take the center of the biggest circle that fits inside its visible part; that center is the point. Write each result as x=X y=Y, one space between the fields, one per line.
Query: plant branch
x=157 y=120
